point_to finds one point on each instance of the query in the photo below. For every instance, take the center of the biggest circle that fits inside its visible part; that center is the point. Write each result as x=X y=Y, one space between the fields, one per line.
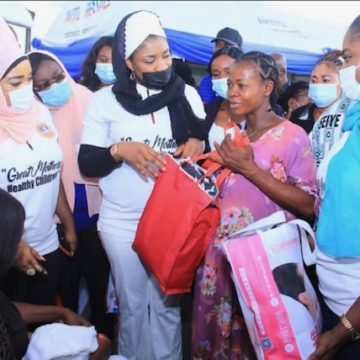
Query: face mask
x=220 y=86
x=22 y=99
x=58 y=94
x=105 y=73
x=323 y=94
x=349 y=83
x=156 y=80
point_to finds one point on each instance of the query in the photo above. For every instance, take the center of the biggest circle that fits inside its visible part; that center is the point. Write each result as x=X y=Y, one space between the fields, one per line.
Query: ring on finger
x=30 y=272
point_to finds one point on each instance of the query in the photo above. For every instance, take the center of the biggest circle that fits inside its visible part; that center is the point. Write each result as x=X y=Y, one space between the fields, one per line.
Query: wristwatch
x=354 y=334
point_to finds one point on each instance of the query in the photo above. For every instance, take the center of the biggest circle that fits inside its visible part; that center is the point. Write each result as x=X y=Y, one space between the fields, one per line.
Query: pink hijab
x=18 y=126
x=68 y=121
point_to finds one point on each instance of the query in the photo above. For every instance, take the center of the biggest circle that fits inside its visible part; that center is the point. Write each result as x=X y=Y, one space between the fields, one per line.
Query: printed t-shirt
x=31 y=173
x=125 y=192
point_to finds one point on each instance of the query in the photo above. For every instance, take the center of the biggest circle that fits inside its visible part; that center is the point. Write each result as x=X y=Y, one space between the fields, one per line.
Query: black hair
x=292 y=91
x=14 y=64
x=288 y=280
x=6 y=346
x=183 y=69
x=267 y=70
x=36 y=59
x=354 y=28
x=232 y=51
x=88 y=77
x=334 y=57
x=12 y=218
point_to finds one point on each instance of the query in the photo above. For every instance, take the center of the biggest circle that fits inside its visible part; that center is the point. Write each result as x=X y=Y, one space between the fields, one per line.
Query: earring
x=132 y=75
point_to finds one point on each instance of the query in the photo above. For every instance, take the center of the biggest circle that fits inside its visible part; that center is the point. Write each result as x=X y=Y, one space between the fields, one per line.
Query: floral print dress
x=218 y=330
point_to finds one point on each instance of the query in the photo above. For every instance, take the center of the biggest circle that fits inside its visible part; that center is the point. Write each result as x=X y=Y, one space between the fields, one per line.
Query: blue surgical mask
x=323 y=94
x=23 y=98
x=105 y=72
x=220 y=86
x=57 y=94
x=349 y=83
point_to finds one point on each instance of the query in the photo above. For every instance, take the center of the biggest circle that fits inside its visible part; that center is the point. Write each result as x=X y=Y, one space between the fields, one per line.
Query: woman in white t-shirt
x=30 y=163
x=330 y=103
x=147 y=112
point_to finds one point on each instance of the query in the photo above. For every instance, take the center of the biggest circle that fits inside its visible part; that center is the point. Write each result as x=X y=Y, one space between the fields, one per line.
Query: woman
x=31 y=161
x=324 y=117
x=338 y=254
x=276 y=171
x=97 y=70
x=67 y=102
x=218 y=111
x=147 y=112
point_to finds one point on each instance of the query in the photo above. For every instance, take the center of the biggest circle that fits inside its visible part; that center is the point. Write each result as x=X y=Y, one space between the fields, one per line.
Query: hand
x=193 y=147
x=238 y=159
x=71 y=240
x=140 y=156
x=27 y=259
x=104 y=349
x=329 y=343
x=69 y=317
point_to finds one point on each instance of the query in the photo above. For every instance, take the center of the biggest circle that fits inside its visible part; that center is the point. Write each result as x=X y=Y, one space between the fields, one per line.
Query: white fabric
x=138 y=27
x=125 y=192
x=150 y=324
x=31 y=173
x=216 y=134
x=61 y=342
x=327 y=128
x=339 y=281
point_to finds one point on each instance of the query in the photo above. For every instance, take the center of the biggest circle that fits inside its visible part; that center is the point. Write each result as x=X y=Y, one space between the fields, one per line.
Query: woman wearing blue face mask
x=330 y=104
x=218 y=111
x=97 y=70
x=68 y=102
x=338 y=229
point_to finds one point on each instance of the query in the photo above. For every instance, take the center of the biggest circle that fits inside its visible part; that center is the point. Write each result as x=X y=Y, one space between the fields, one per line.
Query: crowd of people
x=79 y=159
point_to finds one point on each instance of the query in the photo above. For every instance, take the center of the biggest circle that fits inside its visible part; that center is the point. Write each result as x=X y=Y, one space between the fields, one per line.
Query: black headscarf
x=184 y=123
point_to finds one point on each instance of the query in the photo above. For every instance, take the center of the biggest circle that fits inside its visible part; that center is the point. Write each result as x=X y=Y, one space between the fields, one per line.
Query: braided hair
x=334 y=58
x=6 y=348
x=267 y=68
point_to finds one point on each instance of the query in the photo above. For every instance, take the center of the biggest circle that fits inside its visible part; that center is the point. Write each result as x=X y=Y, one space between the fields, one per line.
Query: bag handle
x=279 y=218
x=309 y=255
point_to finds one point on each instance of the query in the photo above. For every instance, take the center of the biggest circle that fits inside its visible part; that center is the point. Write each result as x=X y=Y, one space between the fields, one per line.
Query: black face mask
x=156 y=80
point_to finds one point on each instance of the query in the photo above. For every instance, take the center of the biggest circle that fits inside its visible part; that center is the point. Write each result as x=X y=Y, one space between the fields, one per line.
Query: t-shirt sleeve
x=95 y=125
x=301 y=169
x=195 y=102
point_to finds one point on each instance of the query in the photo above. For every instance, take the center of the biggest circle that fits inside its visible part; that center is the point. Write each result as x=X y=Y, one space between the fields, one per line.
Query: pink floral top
x=285 y=152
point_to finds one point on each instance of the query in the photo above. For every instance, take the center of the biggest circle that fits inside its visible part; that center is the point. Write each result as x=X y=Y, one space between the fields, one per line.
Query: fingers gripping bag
x=279 y=304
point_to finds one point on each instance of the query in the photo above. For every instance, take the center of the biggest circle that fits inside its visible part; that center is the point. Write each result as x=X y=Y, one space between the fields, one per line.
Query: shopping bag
x=178 y=222
x=279 y=304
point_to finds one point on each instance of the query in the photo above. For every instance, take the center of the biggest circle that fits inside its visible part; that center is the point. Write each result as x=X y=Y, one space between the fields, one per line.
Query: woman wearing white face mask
x=338 y=230
x=97 y=70
x=30 y=163
x=217 y=113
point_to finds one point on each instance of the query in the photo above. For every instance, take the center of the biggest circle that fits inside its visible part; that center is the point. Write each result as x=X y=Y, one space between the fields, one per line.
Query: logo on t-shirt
x=44 y=130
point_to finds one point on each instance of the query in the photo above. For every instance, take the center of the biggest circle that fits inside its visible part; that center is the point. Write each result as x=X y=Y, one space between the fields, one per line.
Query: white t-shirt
x=125 y=192
x=327 y=128
x=31 y=173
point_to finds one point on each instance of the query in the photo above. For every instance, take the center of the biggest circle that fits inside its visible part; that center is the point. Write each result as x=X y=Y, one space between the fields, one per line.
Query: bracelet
x=354 y=334
x=113 y=153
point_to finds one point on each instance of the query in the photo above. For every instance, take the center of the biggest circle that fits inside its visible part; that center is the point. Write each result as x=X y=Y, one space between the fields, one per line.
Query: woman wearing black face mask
x=147 y=112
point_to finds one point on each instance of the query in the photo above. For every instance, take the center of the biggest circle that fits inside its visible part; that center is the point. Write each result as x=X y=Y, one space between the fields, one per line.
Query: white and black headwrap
x=132 y=31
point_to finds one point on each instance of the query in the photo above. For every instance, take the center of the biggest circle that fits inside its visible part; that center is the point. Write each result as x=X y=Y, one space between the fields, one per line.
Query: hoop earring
x=132 y=75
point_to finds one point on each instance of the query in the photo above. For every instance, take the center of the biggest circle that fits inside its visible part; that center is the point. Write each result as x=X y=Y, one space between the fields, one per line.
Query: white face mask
x=220 y=86
x=349 y=83
x=22 y=99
